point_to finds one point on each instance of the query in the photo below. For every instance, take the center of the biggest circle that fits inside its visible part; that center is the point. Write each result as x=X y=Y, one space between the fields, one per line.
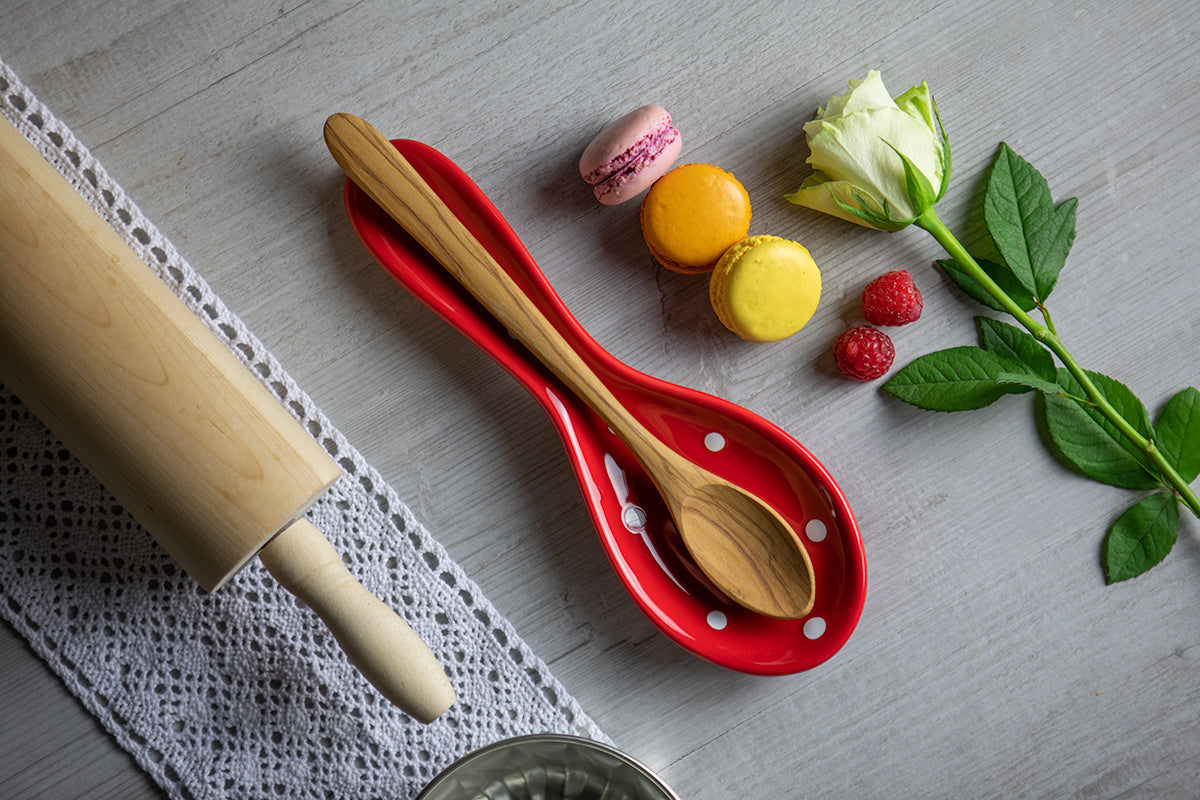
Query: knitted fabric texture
x=242 y=693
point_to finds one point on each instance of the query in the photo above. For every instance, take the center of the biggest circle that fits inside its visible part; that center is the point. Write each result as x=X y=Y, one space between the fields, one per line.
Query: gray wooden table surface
x=991 y=660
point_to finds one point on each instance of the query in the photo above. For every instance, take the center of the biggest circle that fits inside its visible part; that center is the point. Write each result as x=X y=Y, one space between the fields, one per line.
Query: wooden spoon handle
x=370 y=160
x=380 y=644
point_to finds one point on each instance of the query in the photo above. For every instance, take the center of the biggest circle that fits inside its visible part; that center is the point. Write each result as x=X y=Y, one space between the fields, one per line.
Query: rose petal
x=918 y=102
x=860 y=95
x=818 y=194
x=856 y=149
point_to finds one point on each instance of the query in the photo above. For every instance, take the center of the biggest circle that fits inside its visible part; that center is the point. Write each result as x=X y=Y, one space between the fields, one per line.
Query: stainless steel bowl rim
x=580 y=741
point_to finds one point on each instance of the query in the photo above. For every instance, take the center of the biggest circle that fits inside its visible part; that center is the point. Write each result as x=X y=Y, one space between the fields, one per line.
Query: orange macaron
x=692 y=215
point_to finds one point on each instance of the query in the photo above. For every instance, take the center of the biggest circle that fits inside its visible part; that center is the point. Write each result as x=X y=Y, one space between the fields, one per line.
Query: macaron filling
x=630 y=154
x=625 y=165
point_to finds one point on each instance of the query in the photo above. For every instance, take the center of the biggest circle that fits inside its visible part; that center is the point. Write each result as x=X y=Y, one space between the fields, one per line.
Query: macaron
x=630 y=154
x=765 y=288
x=692 y=215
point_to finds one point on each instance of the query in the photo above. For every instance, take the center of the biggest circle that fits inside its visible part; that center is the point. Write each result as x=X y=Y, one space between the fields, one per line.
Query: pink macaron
x=630 y=154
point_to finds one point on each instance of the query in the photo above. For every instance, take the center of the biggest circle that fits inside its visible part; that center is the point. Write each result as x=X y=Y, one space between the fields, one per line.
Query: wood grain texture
x=136 y=386
x=991 y=661
x=174 y=426
x=374 y=637
x=745 y=547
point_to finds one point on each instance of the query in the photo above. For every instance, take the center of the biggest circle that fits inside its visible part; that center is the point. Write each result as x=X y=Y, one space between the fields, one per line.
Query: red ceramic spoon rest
x=627 y=512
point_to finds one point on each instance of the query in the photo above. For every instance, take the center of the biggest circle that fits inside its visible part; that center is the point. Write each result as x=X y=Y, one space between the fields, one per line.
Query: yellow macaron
x=692 y=215
x=765 y=288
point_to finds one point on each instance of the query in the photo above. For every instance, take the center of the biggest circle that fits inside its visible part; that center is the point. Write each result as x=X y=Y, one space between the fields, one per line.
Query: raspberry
x=864 y=353
x=892 y=299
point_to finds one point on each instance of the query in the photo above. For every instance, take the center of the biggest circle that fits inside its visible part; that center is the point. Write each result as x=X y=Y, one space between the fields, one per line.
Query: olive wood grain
x=170 y=422
x=744 y=547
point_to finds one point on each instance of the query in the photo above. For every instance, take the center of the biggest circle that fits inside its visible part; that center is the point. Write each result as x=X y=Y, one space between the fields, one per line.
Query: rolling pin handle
x=375 y=639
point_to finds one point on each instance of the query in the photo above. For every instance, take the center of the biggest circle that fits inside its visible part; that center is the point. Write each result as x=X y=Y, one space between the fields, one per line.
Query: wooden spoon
x=740 y=543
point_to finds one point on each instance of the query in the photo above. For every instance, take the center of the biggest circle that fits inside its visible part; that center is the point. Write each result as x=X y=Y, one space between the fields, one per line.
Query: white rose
x=879 y=162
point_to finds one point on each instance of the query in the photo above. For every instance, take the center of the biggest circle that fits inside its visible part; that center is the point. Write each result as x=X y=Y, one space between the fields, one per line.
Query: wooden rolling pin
x=172 y=424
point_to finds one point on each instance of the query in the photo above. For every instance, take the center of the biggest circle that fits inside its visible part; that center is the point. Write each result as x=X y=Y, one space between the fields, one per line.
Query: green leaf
x=1029 y=381
x=1090 y=443
x=999 y=273
x=1031 y=234
x=1057 y=240
x=1126 y=403
x=1177 y=433
x=957 y=379
x=1141 y=537
x=1009 y=341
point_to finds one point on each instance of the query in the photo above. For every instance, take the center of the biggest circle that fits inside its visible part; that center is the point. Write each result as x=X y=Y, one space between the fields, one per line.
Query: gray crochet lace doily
x=242 y=693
